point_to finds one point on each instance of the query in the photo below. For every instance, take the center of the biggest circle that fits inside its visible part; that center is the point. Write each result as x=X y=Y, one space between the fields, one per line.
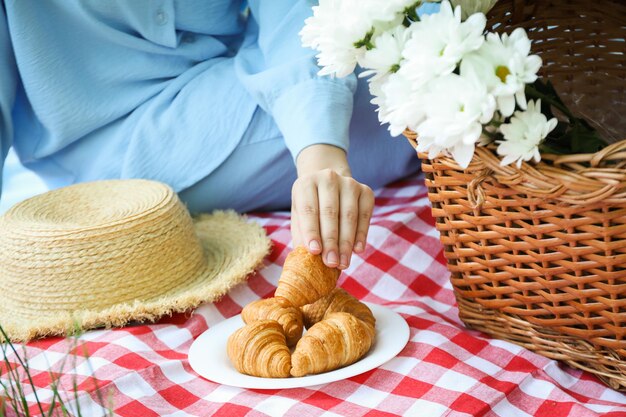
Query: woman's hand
x=330 y=211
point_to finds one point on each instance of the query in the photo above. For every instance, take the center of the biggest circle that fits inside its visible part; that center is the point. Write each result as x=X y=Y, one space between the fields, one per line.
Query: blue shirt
x=160 y=89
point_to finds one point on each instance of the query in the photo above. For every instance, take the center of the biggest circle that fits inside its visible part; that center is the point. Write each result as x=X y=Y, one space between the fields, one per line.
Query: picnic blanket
x=444 y=370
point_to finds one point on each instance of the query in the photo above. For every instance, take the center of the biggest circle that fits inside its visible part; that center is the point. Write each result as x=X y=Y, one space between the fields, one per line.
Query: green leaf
x=546 y=148
x=549 y=98
x=585 y=139
x=574 y=136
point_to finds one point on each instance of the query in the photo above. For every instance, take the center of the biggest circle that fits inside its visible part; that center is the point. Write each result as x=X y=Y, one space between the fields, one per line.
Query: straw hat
x=106 y=253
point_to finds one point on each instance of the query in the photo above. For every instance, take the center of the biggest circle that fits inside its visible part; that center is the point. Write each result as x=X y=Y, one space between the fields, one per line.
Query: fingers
x=331 y=214
x=328 y=194
x=366 y=207
x=348 y=214
x=306 y=209
x=295 y=228
x=356 y=206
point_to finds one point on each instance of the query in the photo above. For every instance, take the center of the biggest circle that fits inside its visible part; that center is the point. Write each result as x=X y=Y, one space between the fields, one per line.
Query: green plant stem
x=490 y=135
x=550 y=100
x=410 y=14
x=93 y=374
x=30 y=378
x=56 y=395
x=53 y=401
x=12 y=396
x=366 y=41
x=495 y=123
x=75 y=386
x=16 y=393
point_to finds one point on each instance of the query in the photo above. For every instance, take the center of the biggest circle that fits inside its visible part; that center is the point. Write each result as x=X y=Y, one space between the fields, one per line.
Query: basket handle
x=522 y=10
x=615 y=152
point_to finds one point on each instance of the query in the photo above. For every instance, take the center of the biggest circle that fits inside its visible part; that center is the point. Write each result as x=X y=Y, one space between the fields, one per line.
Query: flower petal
x=463 y=154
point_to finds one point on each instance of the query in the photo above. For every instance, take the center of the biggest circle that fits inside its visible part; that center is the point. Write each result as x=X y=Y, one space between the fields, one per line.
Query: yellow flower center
x=502 y=72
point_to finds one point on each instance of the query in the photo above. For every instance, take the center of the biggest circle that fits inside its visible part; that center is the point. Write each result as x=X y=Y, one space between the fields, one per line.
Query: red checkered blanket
x=445 y=369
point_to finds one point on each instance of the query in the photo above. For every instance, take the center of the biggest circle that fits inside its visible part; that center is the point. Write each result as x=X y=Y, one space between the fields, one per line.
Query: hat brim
x=234 y=248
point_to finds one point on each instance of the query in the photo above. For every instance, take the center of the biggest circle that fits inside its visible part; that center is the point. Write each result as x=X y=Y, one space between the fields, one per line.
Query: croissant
x=260 y=349
x=280 y=310
x=339 y=340
x=339 y=300
x=305 y=278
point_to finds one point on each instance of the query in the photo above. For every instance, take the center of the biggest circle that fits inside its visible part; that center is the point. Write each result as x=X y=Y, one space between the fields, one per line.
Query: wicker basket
x=538 y=254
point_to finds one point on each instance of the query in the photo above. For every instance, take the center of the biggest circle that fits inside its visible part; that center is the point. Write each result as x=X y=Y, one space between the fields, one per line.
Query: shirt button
x=161 y=17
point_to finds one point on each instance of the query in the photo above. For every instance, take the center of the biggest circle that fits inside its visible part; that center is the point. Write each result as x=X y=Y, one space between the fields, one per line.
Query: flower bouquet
x=529 y=196
x=442 y=77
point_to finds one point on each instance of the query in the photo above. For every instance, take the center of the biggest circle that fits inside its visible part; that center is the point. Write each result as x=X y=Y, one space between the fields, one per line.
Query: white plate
x=207 y=355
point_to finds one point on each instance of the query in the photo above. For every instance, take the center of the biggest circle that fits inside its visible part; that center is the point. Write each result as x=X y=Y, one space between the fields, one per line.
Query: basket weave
x=537 y=255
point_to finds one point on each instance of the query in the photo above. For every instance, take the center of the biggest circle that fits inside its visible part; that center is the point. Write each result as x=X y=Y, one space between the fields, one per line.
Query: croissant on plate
x=339 y=340
x=305 y=278
x=260 y=349
x=277 y=309
x=341 y=329
x=339 y=300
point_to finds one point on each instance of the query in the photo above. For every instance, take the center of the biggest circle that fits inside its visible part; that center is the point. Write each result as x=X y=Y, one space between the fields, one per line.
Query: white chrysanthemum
x=378 y=96
x=439 y=41
x=334 y=28
x=340 y=29
x=523 y=135
x=385 y=10
x=505 y=65
x=456 y=109
x=398 y=104
x=490 y=130
x=386 y=55
x=469 y=7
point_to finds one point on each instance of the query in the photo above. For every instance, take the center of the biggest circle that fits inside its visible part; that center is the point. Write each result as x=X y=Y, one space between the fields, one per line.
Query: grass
x=16 y=382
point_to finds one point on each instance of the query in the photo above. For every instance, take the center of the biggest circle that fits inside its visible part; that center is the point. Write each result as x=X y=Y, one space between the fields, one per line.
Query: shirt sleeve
x=281 y=75
x=8 y=83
